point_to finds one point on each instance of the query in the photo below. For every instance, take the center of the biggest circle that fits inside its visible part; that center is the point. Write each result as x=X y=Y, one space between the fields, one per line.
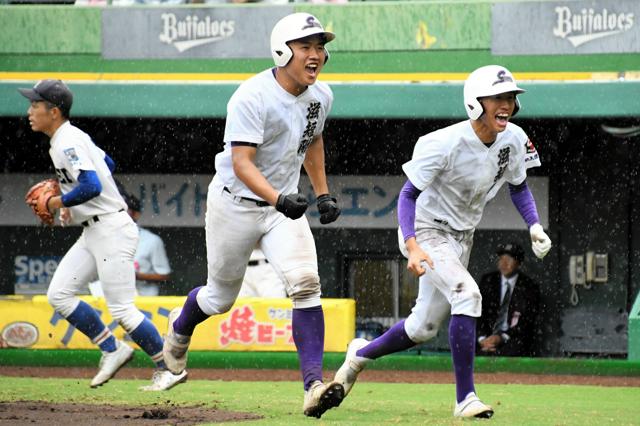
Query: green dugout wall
x=393 y=63
x=390 y=59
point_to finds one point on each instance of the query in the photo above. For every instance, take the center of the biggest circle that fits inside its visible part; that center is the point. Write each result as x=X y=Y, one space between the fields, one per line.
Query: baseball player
x=274 y=126
x=453 y=173
x=106 y=246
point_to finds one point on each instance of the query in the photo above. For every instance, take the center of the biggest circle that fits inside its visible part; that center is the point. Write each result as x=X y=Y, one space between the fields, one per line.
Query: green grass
x=369 y=403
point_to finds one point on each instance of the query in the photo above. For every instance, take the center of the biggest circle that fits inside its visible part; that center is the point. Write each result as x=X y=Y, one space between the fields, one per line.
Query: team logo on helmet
x=311 y=22
x=502 y=78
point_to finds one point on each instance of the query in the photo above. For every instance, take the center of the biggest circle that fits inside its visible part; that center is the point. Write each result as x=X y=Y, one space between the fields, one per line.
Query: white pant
x=233 y=228
x=105 y=251
x=448 y=288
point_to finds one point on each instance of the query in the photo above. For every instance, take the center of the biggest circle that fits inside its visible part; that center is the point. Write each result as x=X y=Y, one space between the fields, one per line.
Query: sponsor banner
x=153 y=33
x=569 y=27
x=252 y=324
x=34 y=273
x=367 y=201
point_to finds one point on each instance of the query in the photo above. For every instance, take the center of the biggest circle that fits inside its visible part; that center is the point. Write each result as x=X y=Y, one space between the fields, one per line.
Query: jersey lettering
x=312 y=123
x=63 y=176
x=503 y=161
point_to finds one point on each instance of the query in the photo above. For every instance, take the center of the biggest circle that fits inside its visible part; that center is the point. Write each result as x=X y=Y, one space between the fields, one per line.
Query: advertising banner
x=252 y=324
x=132 y=33
x=568 y=27
x=367 y=201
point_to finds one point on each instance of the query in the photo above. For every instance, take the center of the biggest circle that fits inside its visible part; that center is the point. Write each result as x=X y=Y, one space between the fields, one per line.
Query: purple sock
x=308 y=334
x=393 y=340
x=190 y=316
x=462 y=340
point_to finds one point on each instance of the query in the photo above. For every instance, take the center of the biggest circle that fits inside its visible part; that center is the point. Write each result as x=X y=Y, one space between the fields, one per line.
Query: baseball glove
x=38 y=197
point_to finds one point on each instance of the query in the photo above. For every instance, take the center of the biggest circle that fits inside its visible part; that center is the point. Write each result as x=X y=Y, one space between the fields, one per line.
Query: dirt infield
x=38 y=413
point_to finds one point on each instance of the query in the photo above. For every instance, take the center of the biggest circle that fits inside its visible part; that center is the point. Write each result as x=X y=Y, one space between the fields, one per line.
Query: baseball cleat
x=320 y=398
x=111 y=362
x=174 y=349
x=352 y=365
x=472 y=407
x=165 y=380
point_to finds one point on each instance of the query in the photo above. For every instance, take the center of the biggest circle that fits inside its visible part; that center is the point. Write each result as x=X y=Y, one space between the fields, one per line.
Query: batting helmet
x=294 y=27
x=489 y=80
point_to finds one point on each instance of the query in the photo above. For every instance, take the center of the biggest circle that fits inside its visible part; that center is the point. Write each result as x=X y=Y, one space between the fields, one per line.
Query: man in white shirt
x=151 y=261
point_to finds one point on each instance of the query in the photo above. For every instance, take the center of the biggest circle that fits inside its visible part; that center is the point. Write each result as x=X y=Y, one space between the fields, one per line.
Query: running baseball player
x=106 y=247
x=453 y=173
x=274 y=126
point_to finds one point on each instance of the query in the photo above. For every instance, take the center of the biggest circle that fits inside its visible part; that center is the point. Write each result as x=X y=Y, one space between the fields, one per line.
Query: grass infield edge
x=332 y=360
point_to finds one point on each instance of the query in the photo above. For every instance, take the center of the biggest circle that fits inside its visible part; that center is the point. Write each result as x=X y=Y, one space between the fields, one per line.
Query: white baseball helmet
x=489 y=80
x=294 y=27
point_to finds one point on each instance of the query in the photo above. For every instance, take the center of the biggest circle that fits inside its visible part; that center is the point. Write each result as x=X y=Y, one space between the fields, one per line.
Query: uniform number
x=63 y=176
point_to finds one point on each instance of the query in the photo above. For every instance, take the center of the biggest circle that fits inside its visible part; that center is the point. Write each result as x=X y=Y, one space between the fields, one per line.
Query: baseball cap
x=512 y=249
x=52 y=91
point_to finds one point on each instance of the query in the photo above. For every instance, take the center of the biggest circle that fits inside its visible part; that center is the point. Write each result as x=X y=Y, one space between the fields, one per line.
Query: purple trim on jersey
x=89 y=187
x=307 y=326
x=407 y=209
x=523 y=200
x=462 y=342
x=393 y=340
x=255 y=145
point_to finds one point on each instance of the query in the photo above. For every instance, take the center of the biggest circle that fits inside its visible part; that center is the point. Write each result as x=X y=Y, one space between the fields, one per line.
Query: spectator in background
x=510 y=304
x=260 y=279
x=151 y=262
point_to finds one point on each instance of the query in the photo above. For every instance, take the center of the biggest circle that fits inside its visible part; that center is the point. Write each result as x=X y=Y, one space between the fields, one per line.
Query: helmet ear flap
x=474 y=108
x=282 y=54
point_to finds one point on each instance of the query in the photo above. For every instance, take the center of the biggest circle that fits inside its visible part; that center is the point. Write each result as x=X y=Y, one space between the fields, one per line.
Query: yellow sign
x=252 y=324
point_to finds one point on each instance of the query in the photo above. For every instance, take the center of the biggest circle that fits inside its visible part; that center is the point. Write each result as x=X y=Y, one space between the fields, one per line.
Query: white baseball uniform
x=458 y=175
x=282 y=126
x=107 y=245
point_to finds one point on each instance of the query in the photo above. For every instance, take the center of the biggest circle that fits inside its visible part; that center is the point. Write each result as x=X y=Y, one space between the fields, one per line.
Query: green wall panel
x=406 y=25
x=49 y=29
x=351 y=100
x=354 y=62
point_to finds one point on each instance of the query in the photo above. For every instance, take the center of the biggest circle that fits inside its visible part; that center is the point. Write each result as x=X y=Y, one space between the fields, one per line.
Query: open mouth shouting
x=502 y=119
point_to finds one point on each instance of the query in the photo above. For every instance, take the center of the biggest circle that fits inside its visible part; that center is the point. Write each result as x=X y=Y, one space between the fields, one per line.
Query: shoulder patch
x=71 y=155
x=529 y=147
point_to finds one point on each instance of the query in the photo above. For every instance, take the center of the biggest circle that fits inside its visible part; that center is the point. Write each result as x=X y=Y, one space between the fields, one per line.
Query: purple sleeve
x=523 y=200
x=407 y=209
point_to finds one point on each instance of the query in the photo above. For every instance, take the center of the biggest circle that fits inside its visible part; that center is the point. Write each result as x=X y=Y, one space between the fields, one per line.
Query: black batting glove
x=328 y=208
x=292 y=206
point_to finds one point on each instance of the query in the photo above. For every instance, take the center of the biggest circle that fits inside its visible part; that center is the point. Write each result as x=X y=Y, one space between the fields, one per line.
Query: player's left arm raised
x=314 y=166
